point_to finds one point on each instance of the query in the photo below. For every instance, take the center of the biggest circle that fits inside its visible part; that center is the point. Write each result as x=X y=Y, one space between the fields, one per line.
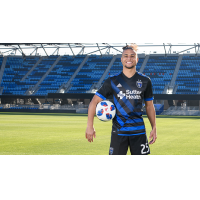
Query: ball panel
x=100 y=112
x=105 y=110
x=103 y=103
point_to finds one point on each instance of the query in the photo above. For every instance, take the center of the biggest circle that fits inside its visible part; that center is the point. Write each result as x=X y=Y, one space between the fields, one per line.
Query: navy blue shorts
x=138 y=145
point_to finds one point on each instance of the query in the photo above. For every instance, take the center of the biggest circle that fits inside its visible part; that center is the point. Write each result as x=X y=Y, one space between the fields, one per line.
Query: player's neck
x=129 y=72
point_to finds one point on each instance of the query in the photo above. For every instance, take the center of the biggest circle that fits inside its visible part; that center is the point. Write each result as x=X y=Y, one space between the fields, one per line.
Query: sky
x=110 y=21
x=106 y=21
x=89 y=21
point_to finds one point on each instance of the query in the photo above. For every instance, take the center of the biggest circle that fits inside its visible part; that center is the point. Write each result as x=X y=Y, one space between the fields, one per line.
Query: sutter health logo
x=134 y=94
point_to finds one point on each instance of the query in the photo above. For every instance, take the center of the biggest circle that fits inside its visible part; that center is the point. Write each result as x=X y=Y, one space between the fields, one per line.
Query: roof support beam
x=99 y=49
x=96 y=50
x=196 y=51
x=11 y=51
x=165 y=49
x=170 y=48
x=108 y=50
x=8 y=51
x=82 y=50
x=55 y=50
x=71 y=49
x=44 y=49
x=115 y=48
x=186 y=49
x=21 y=51
x=25 y=49
x=33 y=51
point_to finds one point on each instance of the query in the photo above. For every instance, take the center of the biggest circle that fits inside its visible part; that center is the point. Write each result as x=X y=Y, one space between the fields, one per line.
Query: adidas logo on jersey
x=119 y=85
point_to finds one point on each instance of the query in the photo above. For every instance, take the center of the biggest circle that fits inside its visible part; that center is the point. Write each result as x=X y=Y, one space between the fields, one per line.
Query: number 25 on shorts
x=144 y=147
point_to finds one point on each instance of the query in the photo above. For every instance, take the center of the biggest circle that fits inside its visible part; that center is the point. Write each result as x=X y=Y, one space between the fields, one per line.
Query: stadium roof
x=47 y=49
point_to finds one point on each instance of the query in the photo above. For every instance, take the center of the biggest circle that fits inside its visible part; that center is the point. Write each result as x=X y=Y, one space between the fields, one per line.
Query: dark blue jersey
x=128 y=95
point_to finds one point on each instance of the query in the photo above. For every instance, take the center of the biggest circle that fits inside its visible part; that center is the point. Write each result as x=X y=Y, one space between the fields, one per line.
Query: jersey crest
x=139 y=83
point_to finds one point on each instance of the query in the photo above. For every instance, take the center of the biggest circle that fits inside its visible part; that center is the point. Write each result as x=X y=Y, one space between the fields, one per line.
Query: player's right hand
x=90 y=133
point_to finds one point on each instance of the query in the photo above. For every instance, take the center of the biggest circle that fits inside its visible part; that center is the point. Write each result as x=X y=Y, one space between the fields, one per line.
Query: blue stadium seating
x=39 y=71
x=60 y=74
x=1 y=60
x=15 y=69
x=188 y=78
x=160 y=69
x=90 y=73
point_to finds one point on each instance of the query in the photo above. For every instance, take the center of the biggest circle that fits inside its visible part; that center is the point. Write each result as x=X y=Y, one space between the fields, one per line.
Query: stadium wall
x=38 y=111
x=90 y=96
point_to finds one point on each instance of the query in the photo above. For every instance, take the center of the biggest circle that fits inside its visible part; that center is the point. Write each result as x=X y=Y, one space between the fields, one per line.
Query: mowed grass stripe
x=64 y=134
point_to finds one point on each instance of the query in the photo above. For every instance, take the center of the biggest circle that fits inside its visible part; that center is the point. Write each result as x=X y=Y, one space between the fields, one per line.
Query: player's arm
x=90 y=131
x=151 y=114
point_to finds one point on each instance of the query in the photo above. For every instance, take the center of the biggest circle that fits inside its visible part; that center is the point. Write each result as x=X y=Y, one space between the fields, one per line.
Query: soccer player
x=128 y=88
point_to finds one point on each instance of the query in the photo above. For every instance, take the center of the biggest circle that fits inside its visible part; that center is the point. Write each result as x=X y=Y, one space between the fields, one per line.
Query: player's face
x=129 y=58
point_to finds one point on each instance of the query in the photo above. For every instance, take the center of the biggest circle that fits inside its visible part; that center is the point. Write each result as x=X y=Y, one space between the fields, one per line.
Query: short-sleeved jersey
x=128 y=95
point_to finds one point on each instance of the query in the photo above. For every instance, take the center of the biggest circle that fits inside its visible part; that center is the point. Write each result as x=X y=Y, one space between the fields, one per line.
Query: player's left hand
x=153 y=136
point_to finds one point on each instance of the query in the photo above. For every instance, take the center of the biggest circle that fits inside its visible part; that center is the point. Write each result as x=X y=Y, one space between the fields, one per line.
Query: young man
x=128 y=89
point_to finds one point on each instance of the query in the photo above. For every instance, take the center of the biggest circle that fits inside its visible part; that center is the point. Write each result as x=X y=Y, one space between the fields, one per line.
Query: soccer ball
x=105 y=110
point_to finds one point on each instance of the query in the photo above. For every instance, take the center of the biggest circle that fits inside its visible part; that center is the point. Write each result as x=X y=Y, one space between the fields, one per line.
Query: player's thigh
x=118 y=145
x=139 y=145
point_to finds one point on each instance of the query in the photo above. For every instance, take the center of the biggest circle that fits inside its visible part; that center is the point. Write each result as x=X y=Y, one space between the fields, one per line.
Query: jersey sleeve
x=105 y=90
x=148 y=93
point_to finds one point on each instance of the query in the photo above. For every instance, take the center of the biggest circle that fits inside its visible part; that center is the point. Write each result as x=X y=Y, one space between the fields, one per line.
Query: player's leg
x=118 y=145
x=139 y=145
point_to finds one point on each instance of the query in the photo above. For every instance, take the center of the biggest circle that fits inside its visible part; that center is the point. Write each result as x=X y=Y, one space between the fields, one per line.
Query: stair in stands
x=34 y=89
x=34 y=66
x=144 y=64
x=178 y=64
x=97 y=85
x=2 y=68
x=199 y=90
x=165 y=89
x=67 y=86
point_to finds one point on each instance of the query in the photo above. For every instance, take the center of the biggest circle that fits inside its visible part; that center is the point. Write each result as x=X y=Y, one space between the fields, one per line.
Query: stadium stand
x=90 y=73
x=20 y=74
x=39 y=71
x=1 y=60
x=180 y=110
x=61 y=73
x=15 y=69
x=188 y=78
x=160 y=69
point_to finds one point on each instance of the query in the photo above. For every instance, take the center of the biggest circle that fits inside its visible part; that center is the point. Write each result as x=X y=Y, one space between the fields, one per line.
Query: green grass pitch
x=64 y=134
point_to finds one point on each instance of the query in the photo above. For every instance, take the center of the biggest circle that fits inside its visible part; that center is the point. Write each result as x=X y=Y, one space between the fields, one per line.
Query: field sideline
x=64 y=134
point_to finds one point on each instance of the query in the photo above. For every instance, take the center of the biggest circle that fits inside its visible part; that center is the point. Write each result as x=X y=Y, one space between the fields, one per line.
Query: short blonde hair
x=132 y=46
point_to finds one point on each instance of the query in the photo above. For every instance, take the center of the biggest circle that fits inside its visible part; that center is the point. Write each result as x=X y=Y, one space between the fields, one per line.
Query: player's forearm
x=151 y=114
x=91 y=113
x=92 y=110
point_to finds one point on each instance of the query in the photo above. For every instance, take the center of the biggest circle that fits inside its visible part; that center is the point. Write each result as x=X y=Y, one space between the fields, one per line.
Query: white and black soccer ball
x=105 y=110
